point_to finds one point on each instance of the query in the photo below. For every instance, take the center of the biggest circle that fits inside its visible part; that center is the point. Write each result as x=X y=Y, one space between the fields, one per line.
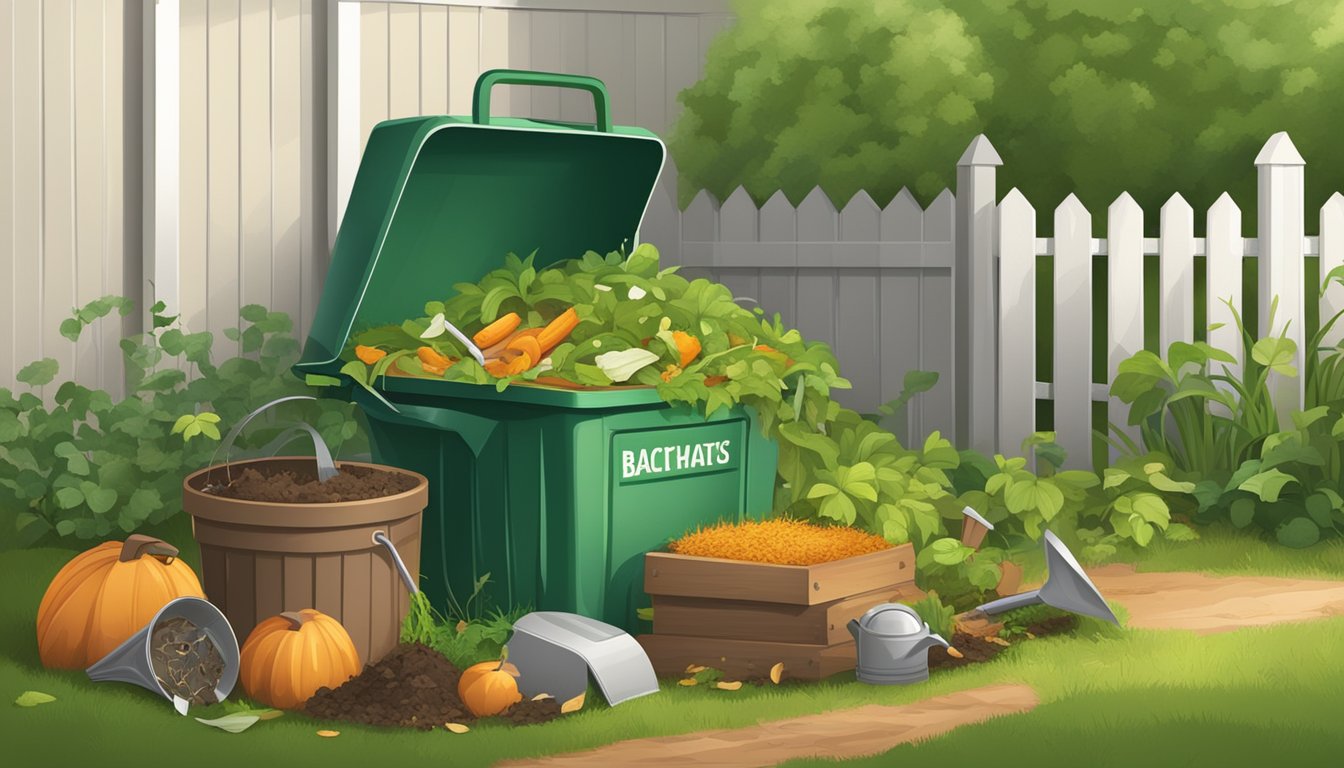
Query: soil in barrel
x=288 y=486
x=412 y=687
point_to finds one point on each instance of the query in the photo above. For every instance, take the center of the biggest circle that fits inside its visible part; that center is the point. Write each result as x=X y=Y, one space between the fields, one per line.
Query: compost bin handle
x=480 y=100
x=379 y=537
x=326 y=468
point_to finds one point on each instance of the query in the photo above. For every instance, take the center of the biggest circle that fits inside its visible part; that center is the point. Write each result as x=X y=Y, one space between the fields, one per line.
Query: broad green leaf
x=69 y=498
x=1319 y=508
x=1180 y=532
x=39 y=373
x=231 y=723
x=1163 y=483
x=34 y=698
x=1114 y=477
x=183 y=422
x=71 y=328
x=839 y=507
x=100 y=500
x=1267 y=485
x=318 y=380
x=820 y=490
x=1276 y=353
x=1242 y=512
x=1299 y=533
x=949 y=551
x=1142 y=532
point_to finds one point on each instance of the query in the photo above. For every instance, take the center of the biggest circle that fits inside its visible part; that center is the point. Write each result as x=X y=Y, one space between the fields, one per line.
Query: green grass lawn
x=1108 y=697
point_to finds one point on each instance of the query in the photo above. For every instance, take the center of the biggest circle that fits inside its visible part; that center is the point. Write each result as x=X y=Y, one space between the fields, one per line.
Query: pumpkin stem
x=503 y=657
x=296 y=618
x=137 y=545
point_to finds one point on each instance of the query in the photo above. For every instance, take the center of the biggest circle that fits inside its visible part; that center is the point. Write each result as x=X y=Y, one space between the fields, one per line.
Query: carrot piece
x=369 y=355
x=496 y=332
x=556 y=331
x=433 y=362
x=528 y=345
x=687 y=345
x=501 y=368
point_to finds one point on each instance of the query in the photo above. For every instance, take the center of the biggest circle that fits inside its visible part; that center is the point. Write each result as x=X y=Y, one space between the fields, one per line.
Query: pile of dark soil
x=973 y=651
x=978 y=649
x=185 y=661
x=412 y=687
x=291 y=487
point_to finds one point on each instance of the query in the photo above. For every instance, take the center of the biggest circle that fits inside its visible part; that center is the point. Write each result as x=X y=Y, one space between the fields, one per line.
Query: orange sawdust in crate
x=780 y=542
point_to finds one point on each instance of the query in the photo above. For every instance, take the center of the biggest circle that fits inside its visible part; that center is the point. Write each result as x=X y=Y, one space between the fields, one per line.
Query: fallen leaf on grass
x=541 y=696
x=456 y=727
x=777 y=673
x=1030 y=636
x=573 y=705
x=733 y=686
x=232 y=723
x=33 y=698
x=328 y=734
x=998 y=641
x=954 y=653
x=688 y=681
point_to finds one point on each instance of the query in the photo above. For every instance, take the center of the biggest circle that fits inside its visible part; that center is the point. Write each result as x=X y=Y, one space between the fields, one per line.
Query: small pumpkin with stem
x=105 y=595
x=288 y=657
x=490 y=687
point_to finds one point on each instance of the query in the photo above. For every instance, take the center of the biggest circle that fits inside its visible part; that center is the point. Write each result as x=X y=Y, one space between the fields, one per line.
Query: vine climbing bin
x=554 y=493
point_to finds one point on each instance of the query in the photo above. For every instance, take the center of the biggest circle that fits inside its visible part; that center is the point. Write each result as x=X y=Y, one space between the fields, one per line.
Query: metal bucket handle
x=326 y=467
x=380 y=537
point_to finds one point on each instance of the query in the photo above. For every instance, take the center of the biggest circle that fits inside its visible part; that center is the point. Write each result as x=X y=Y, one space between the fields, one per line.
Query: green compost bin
x=557 y=494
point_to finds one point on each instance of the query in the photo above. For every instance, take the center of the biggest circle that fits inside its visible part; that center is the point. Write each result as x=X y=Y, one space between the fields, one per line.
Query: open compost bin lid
x=441 y=200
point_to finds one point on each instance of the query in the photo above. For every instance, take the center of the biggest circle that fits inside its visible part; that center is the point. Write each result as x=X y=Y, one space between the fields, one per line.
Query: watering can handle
x=379 y=537
x=480 y=102
x=326 y=468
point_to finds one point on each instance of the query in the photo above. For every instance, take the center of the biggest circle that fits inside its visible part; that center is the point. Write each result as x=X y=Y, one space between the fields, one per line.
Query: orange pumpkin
x=489 y=688
x=105 y=595
x=288 y=657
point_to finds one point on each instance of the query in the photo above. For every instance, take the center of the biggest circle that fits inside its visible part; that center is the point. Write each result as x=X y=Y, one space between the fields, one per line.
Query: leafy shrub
x=834 y=465
x=940 y=616
x=1224 y=437
x=857 y=94
x=87 y=467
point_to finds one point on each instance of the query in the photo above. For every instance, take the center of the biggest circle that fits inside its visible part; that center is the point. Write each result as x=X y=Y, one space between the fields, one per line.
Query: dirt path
x=1188 y=601
x=1209 y=604
x=866 y=730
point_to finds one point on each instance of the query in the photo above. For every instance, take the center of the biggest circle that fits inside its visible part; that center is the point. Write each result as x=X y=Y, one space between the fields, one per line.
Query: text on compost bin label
x=676 y=459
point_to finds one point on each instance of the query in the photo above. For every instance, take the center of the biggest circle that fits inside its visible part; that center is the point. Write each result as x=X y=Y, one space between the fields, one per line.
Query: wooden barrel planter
x=745 y=617
x=260 y=559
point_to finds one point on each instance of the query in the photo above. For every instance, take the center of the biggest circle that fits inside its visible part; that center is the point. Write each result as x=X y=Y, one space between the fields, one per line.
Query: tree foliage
x=1147 y=96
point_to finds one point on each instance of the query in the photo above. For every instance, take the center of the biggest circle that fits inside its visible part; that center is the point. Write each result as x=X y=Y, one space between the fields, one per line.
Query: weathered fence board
x=1224 y=250
x=1332 y=257
x=1073 y=331
x=1176 y=261
x=1017 y=319
x=1125 y=294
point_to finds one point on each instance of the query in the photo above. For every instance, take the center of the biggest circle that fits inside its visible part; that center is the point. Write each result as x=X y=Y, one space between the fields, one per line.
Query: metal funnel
x=130 y=661
x=1066 y=587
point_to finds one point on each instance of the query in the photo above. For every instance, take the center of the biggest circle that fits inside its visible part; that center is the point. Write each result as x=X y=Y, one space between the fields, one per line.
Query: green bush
x=1095 y=98
x=1224 y=438
x=83 y=466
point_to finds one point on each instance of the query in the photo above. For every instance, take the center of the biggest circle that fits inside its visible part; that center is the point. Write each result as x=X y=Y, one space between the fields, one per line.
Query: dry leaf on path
x=328 y=734
x=688 y=682
x=573 y=705
x=777 y=673
x=954 y=653
x=998 y=641
x=733 y=686
x=456 y=727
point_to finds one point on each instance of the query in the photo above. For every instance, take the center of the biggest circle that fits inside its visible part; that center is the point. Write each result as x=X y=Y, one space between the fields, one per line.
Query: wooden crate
x=741 y=659
x=822 y=624
x=672 y=575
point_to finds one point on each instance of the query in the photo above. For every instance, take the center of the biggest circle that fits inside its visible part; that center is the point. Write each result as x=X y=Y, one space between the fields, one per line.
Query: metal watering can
x=893 y=644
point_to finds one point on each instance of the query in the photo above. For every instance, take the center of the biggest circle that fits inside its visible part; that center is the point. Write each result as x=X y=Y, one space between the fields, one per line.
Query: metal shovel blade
x=1066 y=587
x=555 y=652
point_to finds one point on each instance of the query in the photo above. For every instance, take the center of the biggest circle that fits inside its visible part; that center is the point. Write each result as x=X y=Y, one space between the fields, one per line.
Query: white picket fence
x=953 y=288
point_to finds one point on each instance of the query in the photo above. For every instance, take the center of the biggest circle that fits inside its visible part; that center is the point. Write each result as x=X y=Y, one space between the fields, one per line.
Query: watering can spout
x=925 y=643
x=853 y=626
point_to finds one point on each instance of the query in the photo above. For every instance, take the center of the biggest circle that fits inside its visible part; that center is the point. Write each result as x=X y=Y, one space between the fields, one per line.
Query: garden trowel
x=1066 y=587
